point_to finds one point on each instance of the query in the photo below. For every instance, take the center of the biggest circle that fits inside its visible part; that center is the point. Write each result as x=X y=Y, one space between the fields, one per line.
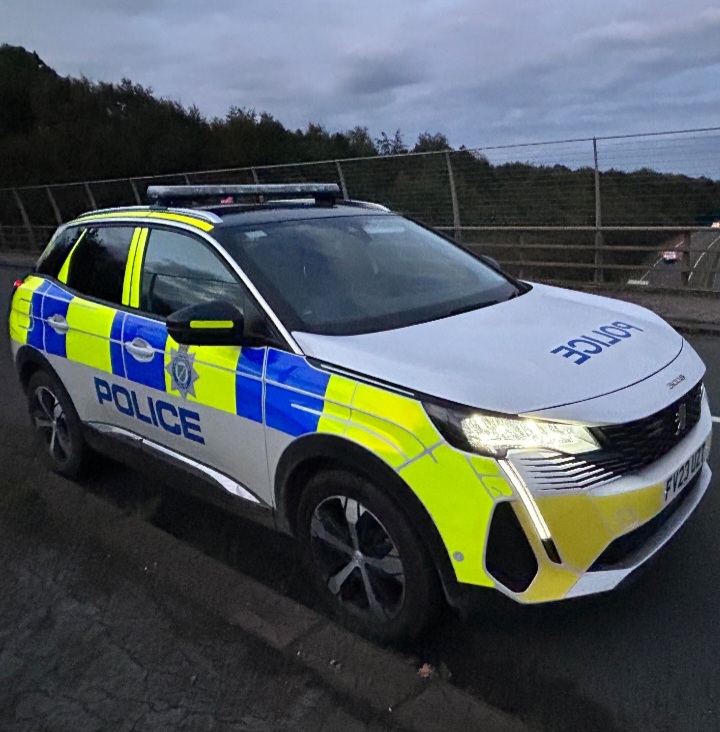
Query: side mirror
x=216 y=323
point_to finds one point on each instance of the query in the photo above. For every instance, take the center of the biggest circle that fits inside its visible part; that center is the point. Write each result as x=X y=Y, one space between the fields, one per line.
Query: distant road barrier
x=561 y=255
x=561 y=212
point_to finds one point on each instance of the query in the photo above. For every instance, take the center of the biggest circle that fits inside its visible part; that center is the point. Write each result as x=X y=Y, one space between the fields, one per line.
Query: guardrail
x=556 y=212
x=689 y=257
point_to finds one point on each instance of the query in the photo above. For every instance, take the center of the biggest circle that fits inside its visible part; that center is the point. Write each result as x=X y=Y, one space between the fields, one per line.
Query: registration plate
x=684 y=474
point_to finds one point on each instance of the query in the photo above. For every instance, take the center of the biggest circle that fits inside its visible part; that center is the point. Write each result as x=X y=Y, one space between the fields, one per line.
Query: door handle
x=140 y=350
x=58 y=323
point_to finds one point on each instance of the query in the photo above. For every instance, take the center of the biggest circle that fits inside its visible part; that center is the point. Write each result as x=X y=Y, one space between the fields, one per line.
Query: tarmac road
x=704 y=263
x=642 y=658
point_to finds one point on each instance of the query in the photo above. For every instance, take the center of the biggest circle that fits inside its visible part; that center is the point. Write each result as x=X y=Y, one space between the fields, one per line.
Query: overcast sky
x=481 y=71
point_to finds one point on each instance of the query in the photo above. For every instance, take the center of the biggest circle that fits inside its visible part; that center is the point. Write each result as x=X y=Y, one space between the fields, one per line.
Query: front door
x=200 y=402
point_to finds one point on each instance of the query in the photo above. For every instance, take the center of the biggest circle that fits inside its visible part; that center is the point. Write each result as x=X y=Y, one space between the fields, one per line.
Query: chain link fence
x=583 y=212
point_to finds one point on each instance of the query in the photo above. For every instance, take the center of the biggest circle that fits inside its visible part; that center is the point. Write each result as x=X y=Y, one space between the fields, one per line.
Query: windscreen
x=358 y=274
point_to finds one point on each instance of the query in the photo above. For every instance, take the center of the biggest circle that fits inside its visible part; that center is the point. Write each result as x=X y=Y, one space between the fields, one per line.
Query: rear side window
x=97 y=268
x=56 y=252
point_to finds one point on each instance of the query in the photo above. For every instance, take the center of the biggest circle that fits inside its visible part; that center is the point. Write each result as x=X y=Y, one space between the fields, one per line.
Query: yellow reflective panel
x=399 y=410
x=149 y=214
x=138 y=260
x=582 y=525
x=127 y=281
x=20 y=320
x=336 y=408
x=378 y=444
x=213 y=381
x=88 y=338
x=190 y=220
x=199 y=324
x=65 y=269
x=552 y=582
x=459 y=505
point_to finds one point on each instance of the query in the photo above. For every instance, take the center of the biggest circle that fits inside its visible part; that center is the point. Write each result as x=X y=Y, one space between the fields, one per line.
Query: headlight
x=492 y=435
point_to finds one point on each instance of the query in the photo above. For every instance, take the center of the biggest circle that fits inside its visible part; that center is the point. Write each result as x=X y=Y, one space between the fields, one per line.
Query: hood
x=547 y=348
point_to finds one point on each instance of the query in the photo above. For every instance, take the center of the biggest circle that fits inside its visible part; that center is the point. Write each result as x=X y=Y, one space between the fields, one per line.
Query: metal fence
x=585 y=212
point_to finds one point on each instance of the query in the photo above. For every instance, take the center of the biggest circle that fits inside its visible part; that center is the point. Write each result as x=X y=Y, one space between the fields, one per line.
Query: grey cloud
x=380 y=74
x=480 y=71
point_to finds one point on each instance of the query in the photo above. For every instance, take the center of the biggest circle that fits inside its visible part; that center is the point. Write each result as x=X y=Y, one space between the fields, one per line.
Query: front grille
x=625 y=448
x=635 y=445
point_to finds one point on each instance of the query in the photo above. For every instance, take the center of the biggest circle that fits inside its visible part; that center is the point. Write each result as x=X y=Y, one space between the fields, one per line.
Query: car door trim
x=228 y=484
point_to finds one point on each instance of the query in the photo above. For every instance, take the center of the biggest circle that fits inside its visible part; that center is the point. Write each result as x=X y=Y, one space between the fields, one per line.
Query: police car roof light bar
x=163 y=196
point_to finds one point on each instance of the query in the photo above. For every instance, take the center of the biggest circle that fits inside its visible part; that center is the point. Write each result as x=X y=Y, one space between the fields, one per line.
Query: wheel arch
x=312 y=453
x=28 y=361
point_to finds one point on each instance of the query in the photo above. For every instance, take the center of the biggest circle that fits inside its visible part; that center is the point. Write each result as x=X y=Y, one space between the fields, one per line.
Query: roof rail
x=163 y=196
x=197 y=213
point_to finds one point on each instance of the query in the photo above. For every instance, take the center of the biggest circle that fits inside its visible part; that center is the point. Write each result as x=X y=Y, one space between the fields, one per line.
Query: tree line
x=58 y=129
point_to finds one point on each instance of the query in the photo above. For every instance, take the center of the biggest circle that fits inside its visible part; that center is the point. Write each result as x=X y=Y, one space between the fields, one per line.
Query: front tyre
x=367 y=563
x=56 y=423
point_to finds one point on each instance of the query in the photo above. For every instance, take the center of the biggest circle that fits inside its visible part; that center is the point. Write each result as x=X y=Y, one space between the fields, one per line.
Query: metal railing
x=557 y=211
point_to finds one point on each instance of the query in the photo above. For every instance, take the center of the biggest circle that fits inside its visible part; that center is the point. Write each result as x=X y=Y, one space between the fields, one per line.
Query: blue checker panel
x=251 y=361
x=116 y=349
x=248 y=398
x=36 y=334
x=55 y=302
x=294 y=371
x=151 y=373
x=284 y=410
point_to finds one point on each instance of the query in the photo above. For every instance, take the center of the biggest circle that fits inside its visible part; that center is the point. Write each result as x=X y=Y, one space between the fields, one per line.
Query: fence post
x=599 y=275
x=54 y=205
x=521 y=257
x=90 y=196
x=136 y=192
x=685 y=258
x=25 y=218
x=256 y=180
x=341 y=177
x=3 y=240
x=453 y=196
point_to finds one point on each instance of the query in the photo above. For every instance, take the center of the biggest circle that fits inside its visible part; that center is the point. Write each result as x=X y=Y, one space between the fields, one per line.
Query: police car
x=423 y=423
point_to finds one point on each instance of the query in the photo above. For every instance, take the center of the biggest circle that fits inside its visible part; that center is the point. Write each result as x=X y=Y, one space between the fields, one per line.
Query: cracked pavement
x=87 y=643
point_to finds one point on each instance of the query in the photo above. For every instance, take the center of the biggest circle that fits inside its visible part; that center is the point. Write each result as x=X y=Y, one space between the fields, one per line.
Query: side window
x=56 y=252
x=97 y=267
x=179 y=271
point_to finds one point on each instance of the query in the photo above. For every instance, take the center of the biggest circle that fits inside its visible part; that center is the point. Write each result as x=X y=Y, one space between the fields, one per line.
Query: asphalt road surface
x=704 y=263
x=642 y=658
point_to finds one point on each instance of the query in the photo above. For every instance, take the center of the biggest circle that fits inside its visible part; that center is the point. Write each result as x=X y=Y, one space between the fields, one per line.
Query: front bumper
x=602 y=580
x=589 y=541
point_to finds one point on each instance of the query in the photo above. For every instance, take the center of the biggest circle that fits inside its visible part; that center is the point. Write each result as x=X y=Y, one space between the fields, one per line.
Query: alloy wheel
x=357 y=558
x=51 y=424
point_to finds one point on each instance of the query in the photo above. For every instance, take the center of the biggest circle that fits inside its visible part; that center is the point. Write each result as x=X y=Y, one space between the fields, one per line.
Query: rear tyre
x=57 y=427
x=367 y=563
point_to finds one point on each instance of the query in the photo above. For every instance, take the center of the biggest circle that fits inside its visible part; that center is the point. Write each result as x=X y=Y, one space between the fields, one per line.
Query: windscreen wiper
x=475 y=306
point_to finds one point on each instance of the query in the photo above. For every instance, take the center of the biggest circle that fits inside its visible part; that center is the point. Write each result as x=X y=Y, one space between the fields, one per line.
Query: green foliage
x=394 y=145
x=55 y=129
x=59 y=129
x=431 y=143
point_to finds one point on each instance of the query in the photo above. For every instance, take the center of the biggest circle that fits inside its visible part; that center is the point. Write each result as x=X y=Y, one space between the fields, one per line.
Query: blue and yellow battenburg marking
x=458 y=490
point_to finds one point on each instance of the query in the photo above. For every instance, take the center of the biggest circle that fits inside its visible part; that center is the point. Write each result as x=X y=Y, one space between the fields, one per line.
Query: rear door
x=201 y=402
x=80 y=315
